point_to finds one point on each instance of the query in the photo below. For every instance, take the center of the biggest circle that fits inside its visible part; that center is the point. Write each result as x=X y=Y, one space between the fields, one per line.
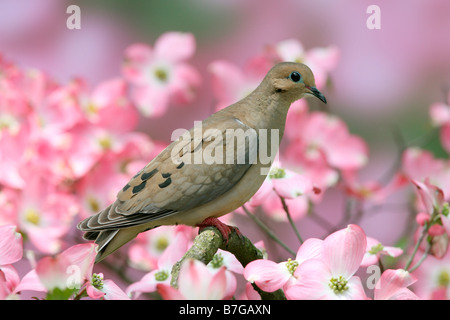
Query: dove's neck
x=263 y=111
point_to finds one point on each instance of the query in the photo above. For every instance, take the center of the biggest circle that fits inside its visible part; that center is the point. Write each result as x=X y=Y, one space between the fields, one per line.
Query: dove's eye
x=295 y=76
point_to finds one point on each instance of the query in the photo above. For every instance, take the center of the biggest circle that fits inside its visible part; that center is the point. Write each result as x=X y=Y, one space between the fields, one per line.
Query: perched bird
x=182 y=186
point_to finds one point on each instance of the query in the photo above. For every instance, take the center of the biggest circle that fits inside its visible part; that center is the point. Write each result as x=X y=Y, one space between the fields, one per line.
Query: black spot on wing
x=138 y=188
x=166 y=175
x=126 y=187
x=148 y=175
x=165 y=183
x=180 y=165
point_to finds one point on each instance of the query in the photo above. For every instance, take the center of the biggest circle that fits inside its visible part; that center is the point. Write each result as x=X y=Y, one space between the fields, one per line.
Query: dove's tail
x=109 y=240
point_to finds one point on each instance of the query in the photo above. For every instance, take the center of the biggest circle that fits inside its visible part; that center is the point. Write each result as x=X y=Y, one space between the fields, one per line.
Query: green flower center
x=97 y=281
x=217 y=261
x=161 y=74
x=161 y=275
x=338 y=285
x=443 y=278
x=94 y=205
x=32 y=216
x=445 y=209
x=291 y=265
x=376 y=248
x=162 y=243
x=277 y=173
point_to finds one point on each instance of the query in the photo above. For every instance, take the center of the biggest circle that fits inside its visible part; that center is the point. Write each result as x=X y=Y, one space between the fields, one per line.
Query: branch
x=209 y=241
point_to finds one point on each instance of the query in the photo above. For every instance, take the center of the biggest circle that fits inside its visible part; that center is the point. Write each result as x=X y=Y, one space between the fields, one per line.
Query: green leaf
x=60 y=294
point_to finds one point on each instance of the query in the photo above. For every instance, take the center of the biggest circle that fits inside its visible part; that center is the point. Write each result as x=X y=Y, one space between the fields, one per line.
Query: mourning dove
x=205 y=173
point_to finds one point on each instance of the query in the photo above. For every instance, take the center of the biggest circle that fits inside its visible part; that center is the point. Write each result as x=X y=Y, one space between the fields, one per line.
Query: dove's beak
x=317 y=93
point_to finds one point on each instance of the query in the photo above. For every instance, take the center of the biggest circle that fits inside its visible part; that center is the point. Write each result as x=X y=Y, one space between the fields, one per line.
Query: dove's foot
x=224 y=229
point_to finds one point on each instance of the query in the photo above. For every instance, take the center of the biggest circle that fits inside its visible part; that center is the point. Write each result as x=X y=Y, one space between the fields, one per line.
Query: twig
x=269 y=232
x=422 y=259
x=286 y=209
x=416 y=247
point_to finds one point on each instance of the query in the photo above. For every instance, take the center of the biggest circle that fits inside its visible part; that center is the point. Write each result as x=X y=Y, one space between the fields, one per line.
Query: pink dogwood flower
x=148 y=247
x=231 y=83
x=419 y=164
x=440 y=117
x=371 y=190
x=324 y=135
x=432 y=199
x=375 y=250
x=433 y=278
x=161 y=274
x=45 y=213
x=332 y=276
x=160 y=75
x=271 y=276
x=11 y=250
x=72 y=269
x=438 y=224
x=393 y=284
x=232 y=266
x=196 y=282
x=292 y=187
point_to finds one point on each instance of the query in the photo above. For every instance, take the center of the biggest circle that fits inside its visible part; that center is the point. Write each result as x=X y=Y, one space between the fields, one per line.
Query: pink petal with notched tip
x=175 y=46
x=267 y=275
x=344 y=250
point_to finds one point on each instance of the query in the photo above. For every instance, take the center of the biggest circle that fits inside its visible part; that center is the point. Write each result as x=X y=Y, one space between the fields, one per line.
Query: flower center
x=444 y=278
x=445 y=209
x=91 y=109
x=32 y=216
x=105 y=142
x=338 y=285
x=376 y=248
x=97 y=281
x=161 y=74
x=291 y=265
x=161 y=275
x=277 y=173
x=161 y=244
x=217 y=261
x=94 y=205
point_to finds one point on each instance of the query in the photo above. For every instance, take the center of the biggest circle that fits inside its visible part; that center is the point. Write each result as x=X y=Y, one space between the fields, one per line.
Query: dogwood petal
x=169 y=293
x=267 y=275
x=11 y=249
x=292 y=186
x=391 y=284
x=82 y=256
x=344 y=250
x=175 y=46
x=113 y=292
x=312 y=281
x=310 y=249
x=195 y=281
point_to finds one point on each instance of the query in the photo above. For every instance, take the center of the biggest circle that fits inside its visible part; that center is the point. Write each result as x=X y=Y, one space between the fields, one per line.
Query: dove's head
x=292 y=81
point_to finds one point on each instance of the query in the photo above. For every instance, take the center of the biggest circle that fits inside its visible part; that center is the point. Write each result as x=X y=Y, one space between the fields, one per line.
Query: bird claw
x=223 y=228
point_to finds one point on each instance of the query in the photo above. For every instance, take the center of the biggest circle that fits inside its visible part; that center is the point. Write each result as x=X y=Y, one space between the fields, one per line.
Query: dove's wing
x=192 y=171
